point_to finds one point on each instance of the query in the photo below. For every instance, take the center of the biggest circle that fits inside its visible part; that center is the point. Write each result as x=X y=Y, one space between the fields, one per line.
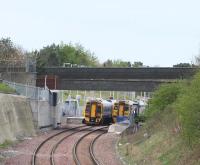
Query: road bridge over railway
x=119 y=79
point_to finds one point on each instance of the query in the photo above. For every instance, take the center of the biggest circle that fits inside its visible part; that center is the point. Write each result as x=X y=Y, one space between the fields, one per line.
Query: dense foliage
x=188 y=108
x=184 y=99
x=166 y=95
x=57 y=55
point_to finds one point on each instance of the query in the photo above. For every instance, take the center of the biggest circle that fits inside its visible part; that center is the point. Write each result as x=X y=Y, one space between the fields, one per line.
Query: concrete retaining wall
x=48 y=115
x=45 y=116
x=16 y=120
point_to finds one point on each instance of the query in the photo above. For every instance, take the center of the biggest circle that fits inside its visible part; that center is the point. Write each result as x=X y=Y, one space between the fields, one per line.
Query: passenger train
x=124 y=108
x=97 y=112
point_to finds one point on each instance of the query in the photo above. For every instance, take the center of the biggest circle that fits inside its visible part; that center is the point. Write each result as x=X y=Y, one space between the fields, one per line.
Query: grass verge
x=6 y=89
x=158 y=143
x=6 y=144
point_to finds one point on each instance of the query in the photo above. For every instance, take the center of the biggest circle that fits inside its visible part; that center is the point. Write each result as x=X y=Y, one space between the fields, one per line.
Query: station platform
x=118 y=128
x=71 y=120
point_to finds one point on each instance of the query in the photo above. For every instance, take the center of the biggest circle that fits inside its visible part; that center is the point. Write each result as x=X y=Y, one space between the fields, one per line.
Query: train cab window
x=87 y=109
x=116 y=107
x=98 y=110
x=126 y=108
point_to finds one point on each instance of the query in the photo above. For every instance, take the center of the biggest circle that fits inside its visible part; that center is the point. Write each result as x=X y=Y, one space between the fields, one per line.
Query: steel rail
x=60 y=141
x=33 y=161
x=77 y=161
x=91 y=150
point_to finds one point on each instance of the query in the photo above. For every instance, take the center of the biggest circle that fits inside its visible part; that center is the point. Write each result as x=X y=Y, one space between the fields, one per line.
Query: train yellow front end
x=121 y=110
x=98 y=112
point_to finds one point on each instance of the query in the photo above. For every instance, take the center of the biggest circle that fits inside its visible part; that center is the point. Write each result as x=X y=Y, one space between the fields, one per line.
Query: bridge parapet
x=119 y=79
x=121 y=73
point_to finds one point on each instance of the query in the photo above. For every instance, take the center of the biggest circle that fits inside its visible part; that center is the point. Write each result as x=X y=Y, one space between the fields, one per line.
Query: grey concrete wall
x=43 y=113
x=16 y=120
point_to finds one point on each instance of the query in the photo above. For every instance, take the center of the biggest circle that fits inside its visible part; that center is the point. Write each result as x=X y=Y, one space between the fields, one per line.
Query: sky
x=155 y=32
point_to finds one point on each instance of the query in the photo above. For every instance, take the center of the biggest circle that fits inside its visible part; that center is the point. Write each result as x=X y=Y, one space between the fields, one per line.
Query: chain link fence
x=26 y=64
x=31 y=92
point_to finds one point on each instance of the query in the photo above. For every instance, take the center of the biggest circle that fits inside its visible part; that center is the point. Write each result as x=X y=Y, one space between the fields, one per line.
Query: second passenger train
x=99 y=111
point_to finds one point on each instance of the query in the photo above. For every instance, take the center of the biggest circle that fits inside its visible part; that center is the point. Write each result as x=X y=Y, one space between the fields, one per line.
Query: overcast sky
x=156 y=32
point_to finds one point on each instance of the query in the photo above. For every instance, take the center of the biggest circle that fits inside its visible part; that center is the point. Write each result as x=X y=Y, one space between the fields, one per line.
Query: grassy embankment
x=171 y=133
x=6 y=89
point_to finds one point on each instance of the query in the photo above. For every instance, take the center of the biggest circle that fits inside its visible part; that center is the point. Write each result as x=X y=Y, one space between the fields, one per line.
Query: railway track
x=91 y=150
x=34 y=156
x=60 y=141
x=91 y=146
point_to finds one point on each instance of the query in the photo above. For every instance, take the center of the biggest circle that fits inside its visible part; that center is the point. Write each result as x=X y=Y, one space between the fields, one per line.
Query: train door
x=115 y=112
x=93 y=111
x=126 y=110
x=98 y=113
x=121 y=109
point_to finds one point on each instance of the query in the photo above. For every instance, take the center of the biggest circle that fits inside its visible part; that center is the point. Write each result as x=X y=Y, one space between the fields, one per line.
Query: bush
x=163 y=97
x=188 y=108
x=140 y=118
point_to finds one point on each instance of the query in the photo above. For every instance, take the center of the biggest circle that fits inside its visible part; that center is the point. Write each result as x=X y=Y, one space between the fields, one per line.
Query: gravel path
x=21 y=154
x=104 y=149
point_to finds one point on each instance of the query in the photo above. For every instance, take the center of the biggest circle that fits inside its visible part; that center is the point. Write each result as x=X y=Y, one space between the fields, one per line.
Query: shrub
x=163 y=97
x=188 y=108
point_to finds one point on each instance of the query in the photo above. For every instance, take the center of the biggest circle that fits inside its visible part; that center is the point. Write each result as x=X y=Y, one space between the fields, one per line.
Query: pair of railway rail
x=75 y=155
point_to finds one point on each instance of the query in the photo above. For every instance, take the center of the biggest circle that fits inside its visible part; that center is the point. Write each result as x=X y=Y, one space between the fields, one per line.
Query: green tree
x=10 y=53
x=183 y=65
x=108 y=63
x=137 y=64
x=57 y=55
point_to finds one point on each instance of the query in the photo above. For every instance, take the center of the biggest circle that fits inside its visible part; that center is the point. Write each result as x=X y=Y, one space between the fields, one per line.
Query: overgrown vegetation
x=6 y=143
x=6 y=89
x=165 y=96
x=171 y=133
x=184 y=99
x=188 y=109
